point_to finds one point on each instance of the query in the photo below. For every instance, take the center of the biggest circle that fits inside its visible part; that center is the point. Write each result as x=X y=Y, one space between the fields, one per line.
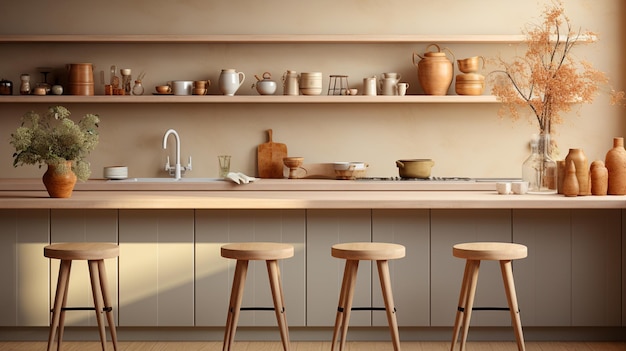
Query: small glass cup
x=224 y=162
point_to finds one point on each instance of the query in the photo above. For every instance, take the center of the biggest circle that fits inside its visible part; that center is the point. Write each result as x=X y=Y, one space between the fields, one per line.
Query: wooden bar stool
x=473 y=253
x=94 y=254
x=270 y=253
x=353 y=253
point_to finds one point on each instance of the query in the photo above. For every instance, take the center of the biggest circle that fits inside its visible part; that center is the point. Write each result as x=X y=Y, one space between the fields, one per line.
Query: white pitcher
x=230 y=80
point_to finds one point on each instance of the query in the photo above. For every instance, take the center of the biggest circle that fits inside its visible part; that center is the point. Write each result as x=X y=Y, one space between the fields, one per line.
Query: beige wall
x=463 y=139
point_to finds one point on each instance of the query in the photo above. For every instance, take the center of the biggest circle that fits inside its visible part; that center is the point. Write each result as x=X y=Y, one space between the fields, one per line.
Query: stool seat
x=94 y=254
x=252 y=251
x=368 y=251
x=81 y=251
x=491 y=251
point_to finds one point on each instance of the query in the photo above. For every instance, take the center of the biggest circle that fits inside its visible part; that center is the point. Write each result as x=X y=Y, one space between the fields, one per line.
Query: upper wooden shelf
x=262 y=38
x=253 y=99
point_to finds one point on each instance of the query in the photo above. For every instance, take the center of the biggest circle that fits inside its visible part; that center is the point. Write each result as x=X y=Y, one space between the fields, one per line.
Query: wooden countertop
x=268 y=194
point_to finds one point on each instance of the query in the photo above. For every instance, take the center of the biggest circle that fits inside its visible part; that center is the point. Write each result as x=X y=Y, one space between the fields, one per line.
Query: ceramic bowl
x=344 y=166
x=163 y=89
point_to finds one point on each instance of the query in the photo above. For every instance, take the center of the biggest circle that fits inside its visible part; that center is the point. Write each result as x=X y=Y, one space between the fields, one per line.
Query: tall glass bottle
x=539 y=169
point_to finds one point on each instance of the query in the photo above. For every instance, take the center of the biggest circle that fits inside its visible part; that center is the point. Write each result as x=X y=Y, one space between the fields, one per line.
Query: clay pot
x=582 y=170
x=434 y=71
x=80 y=79
x=418 y=168
x=615 y=162
x=570 y=182
x=60 y=180
x=599 y=178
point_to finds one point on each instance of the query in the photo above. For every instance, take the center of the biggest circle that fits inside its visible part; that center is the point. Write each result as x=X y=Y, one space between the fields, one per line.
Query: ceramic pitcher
x=230 y=80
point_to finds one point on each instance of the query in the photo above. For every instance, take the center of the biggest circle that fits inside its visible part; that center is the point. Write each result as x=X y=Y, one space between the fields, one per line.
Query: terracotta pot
x=615 y=162
x=60 y=180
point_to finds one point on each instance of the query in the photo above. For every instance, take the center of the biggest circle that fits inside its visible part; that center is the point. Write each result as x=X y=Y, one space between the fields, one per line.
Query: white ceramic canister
x=181 y=87
x=230 y=80
x=369 y=86
x=311 y=83
x=290 y=83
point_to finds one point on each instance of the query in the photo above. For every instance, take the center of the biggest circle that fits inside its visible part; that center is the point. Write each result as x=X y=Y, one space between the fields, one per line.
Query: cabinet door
x=324 y=272
x=214 y=274
x=596 y=273
x=24 y=296
x=156 y=267
x=449 y=227
x=83 y=226
x=544 y=279
x=410 y=276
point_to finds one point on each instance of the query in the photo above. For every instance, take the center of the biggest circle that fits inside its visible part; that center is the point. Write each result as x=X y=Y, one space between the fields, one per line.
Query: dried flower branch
x=547 y=79
x=55 y=138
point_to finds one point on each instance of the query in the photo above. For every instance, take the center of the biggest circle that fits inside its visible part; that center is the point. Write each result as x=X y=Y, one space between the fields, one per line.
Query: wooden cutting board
x=270 y=158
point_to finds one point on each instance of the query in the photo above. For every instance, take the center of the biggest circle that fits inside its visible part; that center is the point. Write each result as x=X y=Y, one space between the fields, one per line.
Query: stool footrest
x=341 y=309
x=258 y=309
x=462 y=309
x=105 y=309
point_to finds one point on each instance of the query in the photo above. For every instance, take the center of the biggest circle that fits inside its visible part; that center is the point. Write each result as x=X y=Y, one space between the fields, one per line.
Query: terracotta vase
x=570 y=182
x=615 y=163
x=60 y=180
x=582 y=170
x=434 y=71
x=599 y=178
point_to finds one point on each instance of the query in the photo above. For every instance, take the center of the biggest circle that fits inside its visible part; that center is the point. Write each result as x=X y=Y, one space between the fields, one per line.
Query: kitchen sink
x=167 y=180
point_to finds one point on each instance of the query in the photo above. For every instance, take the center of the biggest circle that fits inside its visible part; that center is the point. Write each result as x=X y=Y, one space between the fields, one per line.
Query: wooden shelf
x=270 y=38
x=252 y=99
x=262 y=38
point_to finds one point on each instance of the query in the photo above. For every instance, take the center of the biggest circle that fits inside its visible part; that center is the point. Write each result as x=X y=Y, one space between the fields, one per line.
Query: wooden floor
x=315 y=346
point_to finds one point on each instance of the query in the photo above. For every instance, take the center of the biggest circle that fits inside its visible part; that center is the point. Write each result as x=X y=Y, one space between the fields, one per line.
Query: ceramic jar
x=311 y=83
x=577 y=156
x=434 y=71
x=230 y=80
x=290 y=83
x=615 y=163
x=599 y=178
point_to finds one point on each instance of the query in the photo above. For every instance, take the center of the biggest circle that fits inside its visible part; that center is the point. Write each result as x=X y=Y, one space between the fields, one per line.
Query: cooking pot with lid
x=416 y=168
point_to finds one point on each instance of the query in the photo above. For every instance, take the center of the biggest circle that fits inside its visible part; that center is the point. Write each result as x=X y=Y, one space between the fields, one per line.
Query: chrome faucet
x=177 y=171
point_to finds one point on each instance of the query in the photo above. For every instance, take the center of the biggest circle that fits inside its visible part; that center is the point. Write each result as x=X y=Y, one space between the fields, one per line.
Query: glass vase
x=539 y=169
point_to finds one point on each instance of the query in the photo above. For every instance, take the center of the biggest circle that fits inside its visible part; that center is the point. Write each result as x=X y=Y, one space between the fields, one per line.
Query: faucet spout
x=177 y=167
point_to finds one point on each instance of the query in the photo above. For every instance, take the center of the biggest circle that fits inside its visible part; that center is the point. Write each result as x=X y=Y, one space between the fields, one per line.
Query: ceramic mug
x=402 y=87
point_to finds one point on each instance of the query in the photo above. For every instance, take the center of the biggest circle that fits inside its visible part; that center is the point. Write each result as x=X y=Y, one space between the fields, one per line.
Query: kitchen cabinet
x=572 y=276
x=83 y=226
x=156 y=268
x=25 y=292
x=214 y=274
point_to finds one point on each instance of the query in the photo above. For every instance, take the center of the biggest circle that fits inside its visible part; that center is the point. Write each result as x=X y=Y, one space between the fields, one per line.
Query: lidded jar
x=434 y=71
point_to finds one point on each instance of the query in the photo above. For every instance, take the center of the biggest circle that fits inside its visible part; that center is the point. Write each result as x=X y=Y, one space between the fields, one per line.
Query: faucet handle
x=188 y=167
x=167 y=164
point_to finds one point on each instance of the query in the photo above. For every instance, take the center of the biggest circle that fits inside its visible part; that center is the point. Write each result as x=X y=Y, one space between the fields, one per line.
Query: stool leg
x=345 y=303
x=279 y=302
x=511 y=296
x=469 y=302
x=107 y=302
x=96 y=290
x=461 y=305
x=385 y=285
x=60 y=299
x=236 y=294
